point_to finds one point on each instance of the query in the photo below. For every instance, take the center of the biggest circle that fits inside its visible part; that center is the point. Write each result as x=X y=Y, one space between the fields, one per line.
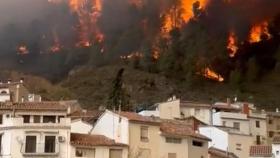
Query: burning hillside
x=164 y=35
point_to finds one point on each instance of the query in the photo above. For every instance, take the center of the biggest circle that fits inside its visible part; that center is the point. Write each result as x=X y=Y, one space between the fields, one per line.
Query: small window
x=277 y=152
x=239 y=146
x=1 y=119
x=236 y=125
x=79 y=153
x=172 y=155
x=258 y=124
x=270 y=121
x=1 y=144
x=50 y=144
x=144 y=134
x=48 y=119
x=30 y=144
x=26 y=118
x=37 y=119
x=197 y=143
x=258 y=140
x=173 y=140
x=270 y=134
x=4 y=92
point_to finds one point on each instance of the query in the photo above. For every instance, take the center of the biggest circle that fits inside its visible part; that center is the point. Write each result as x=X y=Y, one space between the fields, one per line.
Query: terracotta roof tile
x=49 y=106
x=261 y=151
x=87 y=140
x=179 y=129
x=214 y=152
x=88 y=115
x=194 y=104
x=134 y=117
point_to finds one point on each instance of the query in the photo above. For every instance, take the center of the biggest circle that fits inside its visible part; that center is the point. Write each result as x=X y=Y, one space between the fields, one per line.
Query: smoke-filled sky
x=22 y=11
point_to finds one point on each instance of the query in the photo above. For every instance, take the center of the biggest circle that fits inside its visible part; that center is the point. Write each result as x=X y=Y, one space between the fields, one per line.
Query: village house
x=258 y=127
x=218 y=153
x=32 y=129
x=83 y=121
x=151 y=137
x=96 y=146
x=16 y=92
x=175 y=109
x=228 y=139
x=273 y=125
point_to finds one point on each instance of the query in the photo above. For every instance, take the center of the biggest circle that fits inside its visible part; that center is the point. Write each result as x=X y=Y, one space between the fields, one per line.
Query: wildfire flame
x=88 y=28
x=210 y=74
x=172 y=21
x=232 y=44
x=23 y=50
x=257 y=31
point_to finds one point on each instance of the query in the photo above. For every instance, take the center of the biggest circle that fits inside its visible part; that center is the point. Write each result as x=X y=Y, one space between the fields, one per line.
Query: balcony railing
x=40 y=149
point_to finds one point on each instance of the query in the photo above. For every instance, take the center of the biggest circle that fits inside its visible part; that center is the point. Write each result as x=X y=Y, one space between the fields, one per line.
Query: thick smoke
x=239 y=15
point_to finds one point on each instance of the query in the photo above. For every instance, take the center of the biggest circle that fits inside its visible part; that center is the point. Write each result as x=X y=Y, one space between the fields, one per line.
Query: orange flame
x=257 y=31
x=88 y=28
x=187 y=13
x=232 y=44
x=210 y=74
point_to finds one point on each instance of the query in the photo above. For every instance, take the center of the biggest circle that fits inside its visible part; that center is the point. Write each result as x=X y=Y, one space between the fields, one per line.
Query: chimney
x=228 y=102
x=246 y=109
x=277 y=109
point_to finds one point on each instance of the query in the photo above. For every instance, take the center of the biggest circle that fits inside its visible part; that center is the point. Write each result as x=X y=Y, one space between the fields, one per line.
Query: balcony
x=18 y=122
x=40 y=149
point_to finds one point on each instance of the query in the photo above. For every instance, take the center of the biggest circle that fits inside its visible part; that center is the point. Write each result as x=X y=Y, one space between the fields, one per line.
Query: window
x=36 y=119
x=258 y=124
x=1 y=144
x=270 y=134
x=172 y=155
x=173 y=140
x=26 y=119
x=1 y=119
x=79 y=153
x=115 y=153
x=48 y=119
x=236 y=125
x=144 y=134
x=30 y=144
x=49 y=144
x=4 y=92
x=277 y=152
x=238 y=146
x=258 y=140
x=270 y=121
x=197 y=143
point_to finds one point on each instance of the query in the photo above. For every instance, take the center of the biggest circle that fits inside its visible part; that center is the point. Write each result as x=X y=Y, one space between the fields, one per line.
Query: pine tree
x=119 y=98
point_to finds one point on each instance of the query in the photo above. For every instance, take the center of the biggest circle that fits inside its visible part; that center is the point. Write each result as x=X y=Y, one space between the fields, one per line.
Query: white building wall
x=170 y=109
x=98 y=152
x=216 y=119
x=112 y=126
x=149 y=113
x=276 y=150
x=203 y=114
x=79 y=126
x=15 y=132
x=219 y=137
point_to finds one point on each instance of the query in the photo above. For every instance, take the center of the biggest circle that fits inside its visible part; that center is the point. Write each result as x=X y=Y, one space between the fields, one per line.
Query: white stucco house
x=34 y=130
x=228 y=139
